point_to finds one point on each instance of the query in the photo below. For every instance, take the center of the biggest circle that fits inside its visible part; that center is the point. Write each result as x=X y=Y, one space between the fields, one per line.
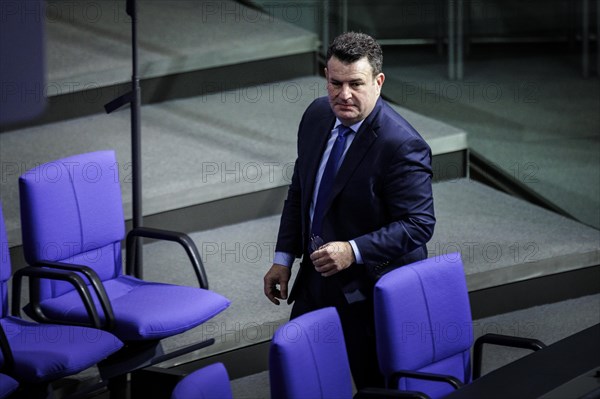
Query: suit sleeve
x=289 y=238
x=408 y=201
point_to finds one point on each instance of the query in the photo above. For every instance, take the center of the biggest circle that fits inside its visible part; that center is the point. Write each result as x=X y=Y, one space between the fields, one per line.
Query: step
x=89 y=42
x=503 y=241
x=198 y=150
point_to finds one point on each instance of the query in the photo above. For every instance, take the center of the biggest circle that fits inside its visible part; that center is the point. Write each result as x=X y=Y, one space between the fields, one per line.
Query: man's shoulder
x=390 y=122
x=389 y=114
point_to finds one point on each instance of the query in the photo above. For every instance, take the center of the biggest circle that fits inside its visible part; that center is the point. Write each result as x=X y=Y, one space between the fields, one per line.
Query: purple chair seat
x=144 y=310
x=49 y=352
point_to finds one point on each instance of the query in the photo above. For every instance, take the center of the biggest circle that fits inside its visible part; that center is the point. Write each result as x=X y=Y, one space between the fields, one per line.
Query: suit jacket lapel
x=359 y=148
x=363 y=141
x=354 y=157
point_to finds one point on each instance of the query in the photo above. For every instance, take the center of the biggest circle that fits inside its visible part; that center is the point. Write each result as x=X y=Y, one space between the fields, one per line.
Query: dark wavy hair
x=350 y=47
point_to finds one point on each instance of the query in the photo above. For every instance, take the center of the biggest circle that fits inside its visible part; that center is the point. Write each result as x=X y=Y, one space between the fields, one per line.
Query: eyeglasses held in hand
x=316 y=242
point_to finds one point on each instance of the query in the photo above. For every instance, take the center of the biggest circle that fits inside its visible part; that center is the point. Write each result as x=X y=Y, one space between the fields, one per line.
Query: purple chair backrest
x=308 y=358
x=423 y=321
x=71 y=211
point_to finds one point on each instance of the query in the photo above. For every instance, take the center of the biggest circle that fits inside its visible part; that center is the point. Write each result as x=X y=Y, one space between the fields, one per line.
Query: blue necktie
x=333 y=164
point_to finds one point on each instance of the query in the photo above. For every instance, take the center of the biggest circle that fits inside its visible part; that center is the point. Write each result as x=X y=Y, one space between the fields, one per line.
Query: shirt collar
x=354 y=127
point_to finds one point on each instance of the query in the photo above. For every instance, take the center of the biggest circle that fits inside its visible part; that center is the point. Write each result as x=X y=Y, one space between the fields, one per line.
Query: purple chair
x=72 y=219
x=424 y=328
x=208 y=382
x=7 y=384
x=38 y=354
x=308 y=359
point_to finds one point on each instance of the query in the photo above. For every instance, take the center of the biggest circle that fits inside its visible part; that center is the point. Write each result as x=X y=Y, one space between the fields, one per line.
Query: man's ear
x=380 y=78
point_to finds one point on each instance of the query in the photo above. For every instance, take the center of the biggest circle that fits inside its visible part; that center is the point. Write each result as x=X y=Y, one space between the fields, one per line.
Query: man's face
x=352 y=89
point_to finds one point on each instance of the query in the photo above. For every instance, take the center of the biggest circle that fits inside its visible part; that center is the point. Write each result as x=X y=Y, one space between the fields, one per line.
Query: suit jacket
x=381 y=198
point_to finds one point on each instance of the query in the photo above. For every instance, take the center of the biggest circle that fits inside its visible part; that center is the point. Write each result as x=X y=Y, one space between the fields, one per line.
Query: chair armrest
x=96 y=284
x=7 y=355
x=448 y=379
x=502 y=340
x=183 y=239
x=374 y=393
x=63 y=275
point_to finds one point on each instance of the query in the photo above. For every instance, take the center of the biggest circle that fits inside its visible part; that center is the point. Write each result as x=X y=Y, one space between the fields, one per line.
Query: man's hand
x=277 y=275
x=333 y=257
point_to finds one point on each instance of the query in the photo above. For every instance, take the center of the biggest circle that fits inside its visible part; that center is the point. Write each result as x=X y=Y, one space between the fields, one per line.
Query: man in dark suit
x=352 y=222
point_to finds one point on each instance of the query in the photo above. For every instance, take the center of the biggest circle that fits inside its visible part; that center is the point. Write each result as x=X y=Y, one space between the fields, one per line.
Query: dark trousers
x=358 y=324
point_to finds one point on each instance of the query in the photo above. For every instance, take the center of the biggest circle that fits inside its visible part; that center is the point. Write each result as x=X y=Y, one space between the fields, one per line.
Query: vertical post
x=134 y=99
x=326 y=28
x=344 y=14
x=439 y=26
x=585 y=38
x=459 y=39
x=451 y=41
x=598 y=38
x=136 y=136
